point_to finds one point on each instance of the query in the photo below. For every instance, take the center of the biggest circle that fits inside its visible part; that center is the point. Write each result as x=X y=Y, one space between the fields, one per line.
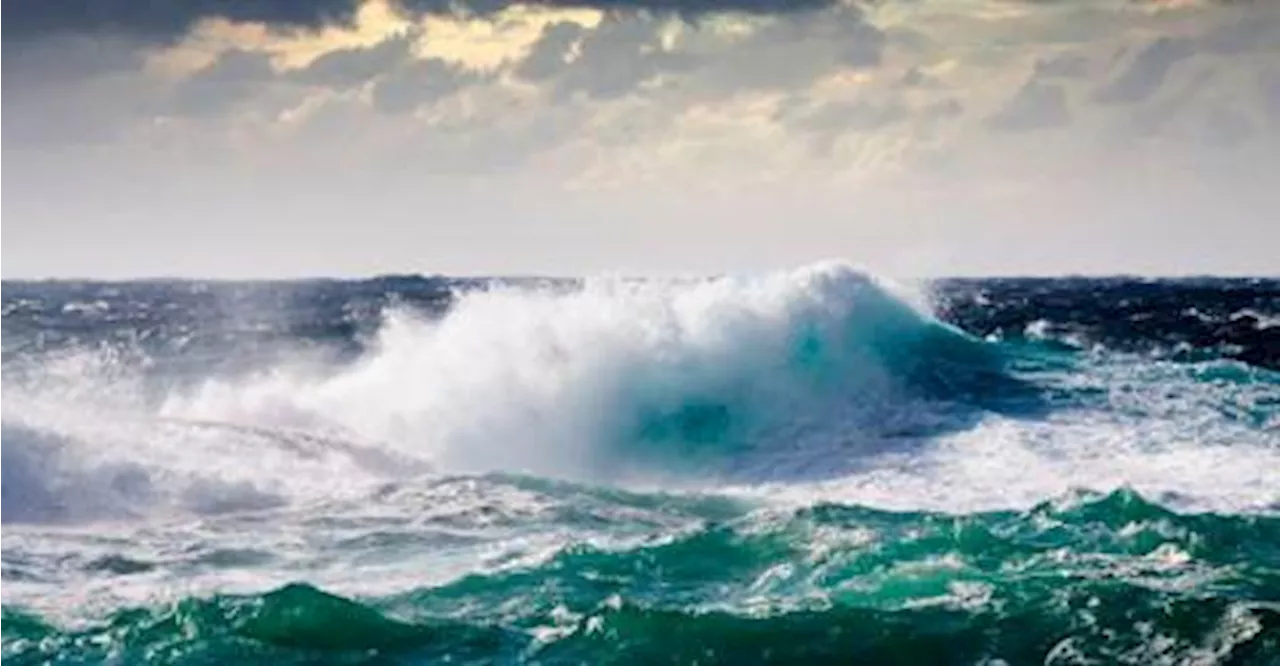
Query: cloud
x=235 y=75
x=790 y=52
x=1147 y=71
x=27 y=20
x=68 y=60
x=399 y=81
x=1226 y=127
x=74 y=90
x=914 y=78
x=904 y=117
x=1062 y=66
x=1252 y=31
x=549 y=55
x=1037 y=105
x=352 y=67
x=686 y=8
x=420 y=81
x=604 y=62
x=690 y=62
x=829 y=120
x=1269 y=89
x=165 y=22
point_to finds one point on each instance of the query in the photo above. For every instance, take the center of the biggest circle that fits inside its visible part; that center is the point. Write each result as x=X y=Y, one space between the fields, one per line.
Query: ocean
x=814 y=465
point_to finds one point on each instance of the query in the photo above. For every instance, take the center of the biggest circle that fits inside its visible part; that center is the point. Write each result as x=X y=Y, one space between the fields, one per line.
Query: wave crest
x=622 y=377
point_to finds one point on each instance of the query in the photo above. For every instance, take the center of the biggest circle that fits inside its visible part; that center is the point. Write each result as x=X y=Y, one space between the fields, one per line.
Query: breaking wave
x=618 y=378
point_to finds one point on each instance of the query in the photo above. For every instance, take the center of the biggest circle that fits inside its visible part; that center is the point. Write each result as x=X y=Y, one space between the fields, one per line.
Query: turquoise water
x=1085 y=579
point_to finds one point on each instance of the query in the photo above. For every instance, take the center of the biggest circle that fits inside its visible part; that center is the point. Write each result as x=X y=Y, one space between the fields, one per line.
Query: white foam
x=82 y=441
x=553 y=382
x=1155 y=428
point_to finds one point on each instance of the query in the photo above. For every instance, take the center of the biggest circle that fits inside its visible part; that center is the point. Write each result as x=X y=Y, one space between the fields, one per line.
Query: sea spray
x=622 y=376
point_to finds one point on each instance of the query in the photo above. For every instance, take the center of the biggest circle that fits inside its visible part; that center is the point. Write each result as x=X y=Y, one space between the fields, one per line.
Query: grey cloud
x=488 y=139
x=1269 y=89
x=825 y=123
x=617 y=57
x=914 y=78
x=402 y=82
x=1147 y=71
x=931 y=118
x=1253 y=31
x=92 y=112
x=841 y=117
x=625 y=53
x=235 y=75
x=1163 y=117
x=69 y=59
x=1062 y=66
x=792 y=51
x=686 y=8
x=868 y=116
x=550 y=52
x=1226 y=127
x=419 y=82
x=1036 y=105
x=348 y=68
x=74 y=90
x=947 y=108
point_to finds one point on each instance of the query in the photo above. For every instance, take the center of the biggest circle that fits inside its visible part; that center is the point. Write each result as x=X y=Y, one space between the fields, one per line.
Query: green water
x=1087 y=579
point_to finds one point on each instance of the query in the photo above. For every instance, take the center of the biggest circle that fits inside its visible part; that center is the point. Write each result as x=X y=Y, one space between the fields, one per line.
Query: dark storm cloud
x=27 y=20
x=160 y=21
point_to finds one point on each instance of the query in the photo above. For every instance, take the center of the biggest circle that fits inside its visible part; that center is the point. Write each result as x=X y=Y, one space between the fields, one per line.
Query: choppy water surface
x=806 y=466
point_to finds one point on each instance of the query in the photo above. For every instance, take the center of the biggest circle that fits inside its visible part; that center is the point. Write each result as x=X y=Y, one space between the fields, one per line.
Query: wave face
x=795 y=466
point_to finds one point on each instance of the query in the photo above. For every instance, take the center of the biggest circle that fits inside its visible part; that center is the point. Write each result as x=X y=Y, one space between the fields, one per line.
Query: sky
x=279 y=138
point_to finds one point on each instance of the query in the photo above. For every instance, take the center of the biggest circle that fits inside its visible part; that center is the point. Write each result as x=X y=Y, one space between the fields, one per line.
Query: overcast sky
x=262 y=138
